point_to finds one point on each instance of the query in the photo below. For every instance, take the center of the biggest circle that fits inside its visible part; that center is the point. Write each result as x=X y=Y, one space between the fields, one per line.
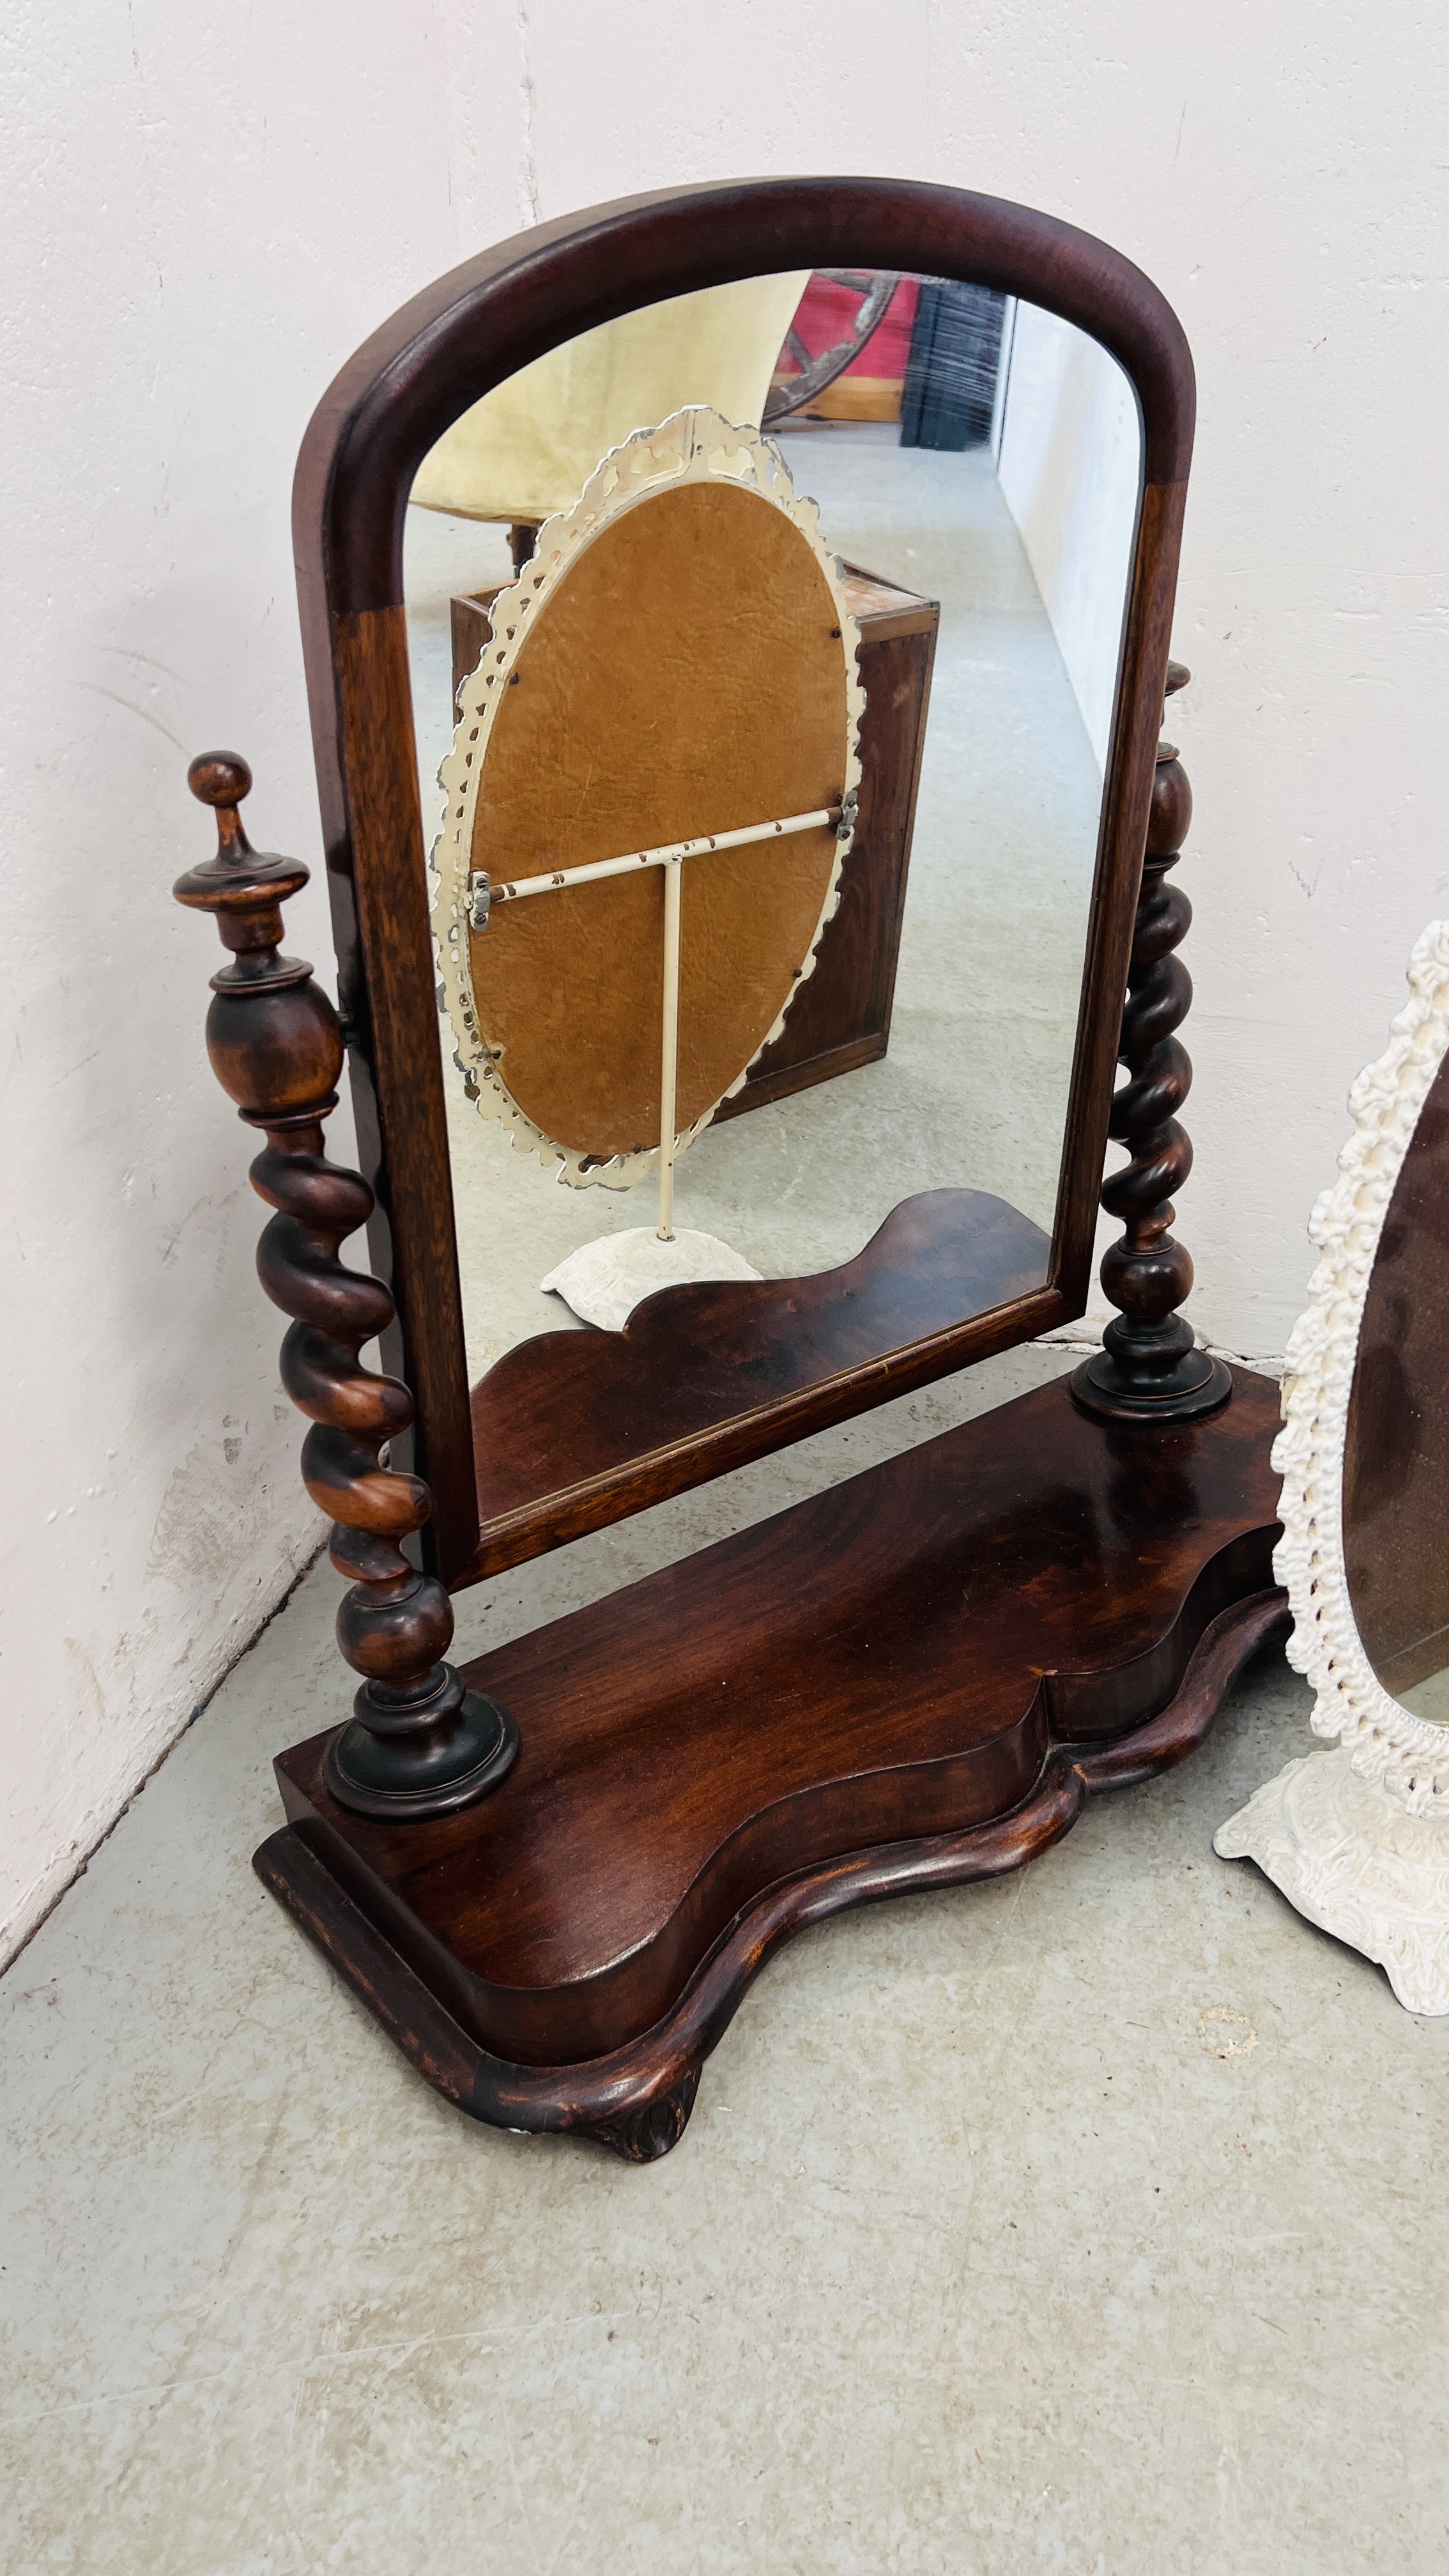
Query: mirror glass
x=1396 y=1455
x=875 y=1012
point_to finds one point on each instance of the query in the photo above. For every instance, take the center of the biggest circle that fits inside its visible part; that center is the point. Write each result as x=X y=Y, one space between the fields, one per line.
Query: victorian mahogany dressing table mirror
x=551 y=1876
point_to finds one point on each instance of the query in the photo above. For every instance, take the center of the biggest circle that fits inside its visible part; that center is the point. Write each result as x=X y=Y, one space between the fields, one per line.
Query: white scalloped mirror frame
x=693 y=446
x=1357 y=1839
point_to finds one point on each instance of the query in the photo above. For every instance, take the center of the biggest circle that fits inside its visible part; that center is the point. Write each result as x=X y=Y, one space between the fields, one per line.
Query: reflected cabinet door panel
x=842 y=1017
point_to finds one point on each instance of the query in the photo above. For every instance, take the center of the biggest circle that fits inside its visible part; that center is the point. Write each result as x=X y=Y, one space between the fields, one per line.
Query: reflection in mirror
x=875 y=1010
x=1396 y=1455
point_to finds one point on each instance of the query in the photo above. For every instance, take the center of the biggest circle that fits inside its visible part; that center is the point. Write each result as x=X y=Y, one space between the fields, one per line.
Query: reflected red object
x=825 y=315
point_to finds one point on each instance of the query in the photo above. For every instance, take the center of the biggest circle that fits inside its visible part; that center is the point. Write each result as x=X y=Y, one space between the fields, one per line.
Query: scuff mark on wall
x=529 y=205
x=214 y=1511
x=88 y=1681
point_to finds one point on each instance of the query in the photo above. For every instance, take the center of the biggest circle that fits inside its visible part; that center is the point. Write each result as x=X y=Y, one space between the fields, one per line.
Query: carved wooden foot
x=420 y=1744
x=1149 y=1367
x=642 y=2137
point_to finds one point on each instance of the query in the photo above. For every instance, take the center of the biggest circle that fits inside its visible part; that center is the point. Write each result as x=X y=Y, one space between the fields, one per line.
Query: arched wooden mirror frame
x=391 y=402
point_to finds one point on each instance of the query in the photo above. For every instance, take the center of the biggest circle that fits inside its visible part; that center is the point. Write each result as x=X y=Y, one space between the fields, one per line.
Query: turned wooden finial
x=222 y=778
x=419 y=1744
x=244 y=888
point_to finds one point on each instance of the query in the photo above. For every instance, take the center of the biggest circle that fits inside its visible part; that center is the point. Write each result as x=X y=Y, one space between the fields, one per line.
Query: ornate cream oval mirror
x=1359 y=1839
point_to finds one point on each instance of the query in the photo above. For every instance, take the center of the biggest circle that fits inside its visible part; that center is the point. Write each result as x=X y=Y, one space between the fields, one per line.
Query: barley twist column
x=419 y=1743
x=1149 y=1368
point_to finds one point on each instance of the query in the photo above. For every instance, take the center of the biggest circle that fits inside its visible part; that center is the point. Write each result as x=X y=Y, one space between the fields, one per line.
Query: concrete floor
x=973 y=1091
x=1082 y=2223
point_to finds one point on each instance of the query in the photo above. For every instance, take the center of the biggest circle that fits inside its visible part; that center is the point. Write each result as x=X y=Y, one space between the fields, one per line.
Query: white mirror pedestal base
x=605 y=1280
x=1349 y=1855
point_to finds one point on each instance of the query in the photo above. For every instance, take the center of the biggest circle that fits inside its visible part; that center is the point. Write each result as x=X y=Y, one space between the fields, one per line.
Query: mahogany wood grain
x=637 y=2099
x=514 y=1536
x=401 y=1114
x=565 y=1408
x=391 y=402
x=899 y=1657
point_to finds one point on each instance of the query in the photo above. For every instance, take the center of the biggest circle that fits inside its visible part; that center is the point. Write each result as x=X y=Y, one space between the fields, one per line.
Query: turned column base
x=1113 y=1393
x=409 y=1755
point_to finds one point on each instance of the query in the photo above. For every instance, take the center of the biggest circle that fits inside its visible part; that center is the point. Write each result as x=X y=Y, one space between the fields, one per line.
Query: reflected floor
x=1428 y=1699
x=972 y=1092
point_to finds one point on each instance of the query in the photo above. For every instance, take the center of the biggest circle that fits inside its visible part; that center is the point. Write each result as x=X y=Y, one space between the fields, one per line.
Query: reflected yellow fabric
x=529 y=447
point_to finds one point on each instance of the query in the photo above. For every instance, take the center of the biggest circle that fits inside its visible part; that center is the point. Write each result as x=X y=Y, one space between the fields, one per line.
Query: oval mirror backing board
x=620 y=738
x=640 y=710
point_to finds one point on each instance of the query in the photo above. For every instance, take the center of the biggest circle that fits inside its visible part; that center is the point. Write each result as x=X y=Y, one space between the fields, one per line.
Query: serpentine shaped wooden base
x=913 y=1679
